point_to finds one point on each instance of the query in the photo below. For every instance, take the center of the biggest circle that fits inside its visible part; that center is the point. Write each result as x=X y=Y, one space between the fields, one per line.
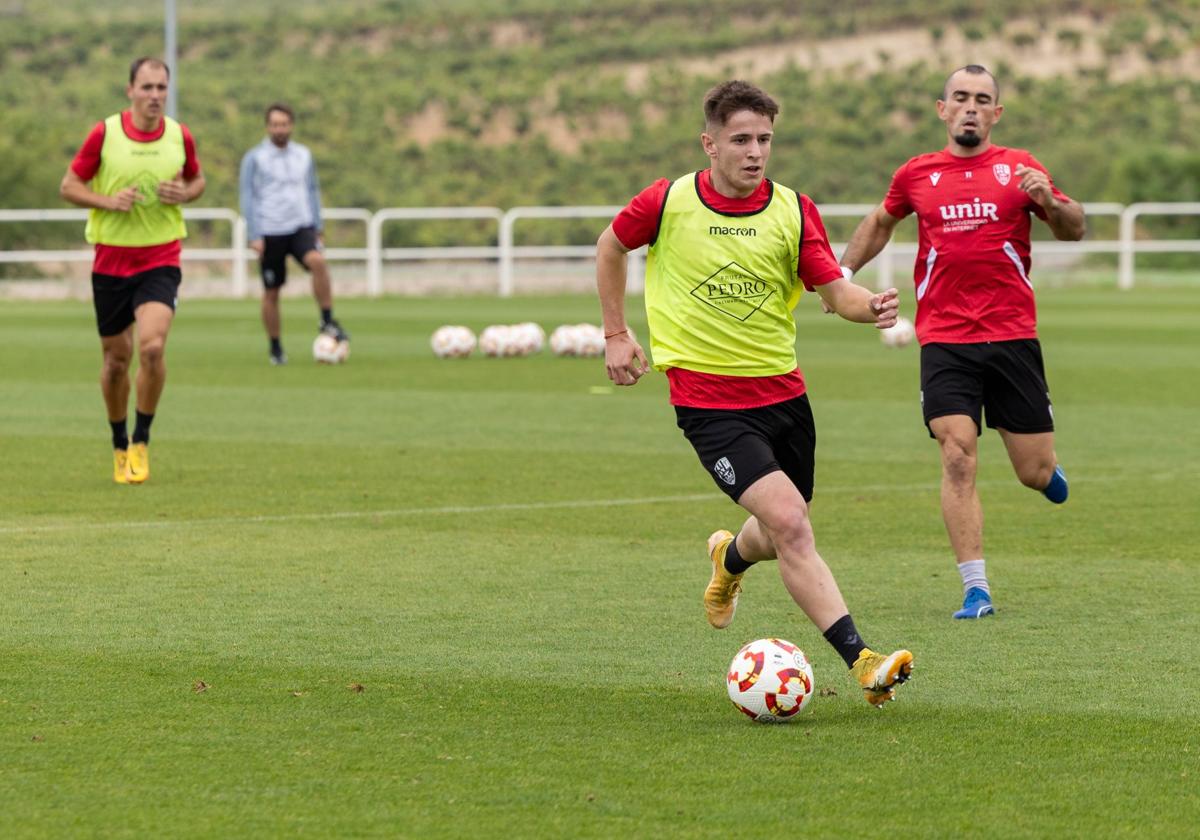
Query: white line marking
x=500 y=507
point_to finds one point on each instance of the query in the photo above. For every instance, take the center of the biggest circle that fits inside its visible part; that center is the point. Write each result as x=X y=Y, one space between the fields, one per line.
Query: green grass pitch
x=507 y=557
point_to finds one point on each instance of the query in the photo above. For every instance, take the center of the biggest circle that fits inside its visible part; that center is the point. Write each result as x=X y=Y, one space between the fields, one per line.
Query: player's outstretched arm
x=858 y=303
x=872 y=233
x=624 y=359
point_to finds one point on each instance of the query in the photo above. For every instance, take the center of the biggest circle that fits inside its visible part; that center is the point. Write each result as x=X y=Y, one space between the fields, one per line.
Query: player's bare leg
x=322 y=286
x=780 y=514
x=1036 y=465
x=958 y=437
x=272 y=324
x=117 y=351
x=779 y=526
x=153 y=323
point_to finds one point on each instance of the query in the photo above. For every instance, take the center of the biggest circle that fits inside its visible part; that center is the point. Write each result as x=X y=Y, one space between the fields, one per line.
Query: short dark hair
x=975 y=70
x=146 y=59
x=281 y=107
x=730 y=97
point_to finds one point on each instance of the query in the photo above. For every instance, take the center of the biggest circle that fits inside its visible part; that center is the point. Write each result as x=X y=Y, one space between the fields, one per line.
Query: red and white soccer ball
x=900 y=334
x=452 y=342
x=770 y=681
x=327 y=350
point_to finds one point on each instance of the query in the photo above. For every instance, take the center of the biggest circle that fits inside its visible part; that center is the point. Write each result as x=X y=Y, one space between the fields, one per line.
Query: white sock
x=973 y=575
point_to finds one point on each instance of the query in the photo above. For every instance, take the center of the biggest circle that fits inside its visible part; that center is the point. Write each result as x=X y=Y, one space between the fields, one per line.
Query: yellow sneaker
x=121 y=466
x=878 y=674
x=721 y=596
x=139 y=463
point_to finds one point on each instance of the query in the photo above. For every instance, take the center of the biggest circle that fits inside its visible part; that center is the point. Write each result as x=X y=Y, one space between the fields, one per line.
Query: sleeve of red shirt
x=87 y=159
x=896 y=201
x=818 y=265
x=191 y=163
x=1059 y=195
x=637 y=224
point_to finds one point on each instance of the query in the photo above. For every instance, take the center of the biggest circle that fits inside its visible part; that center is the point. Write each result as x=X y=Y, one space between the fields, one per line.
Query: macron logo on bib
x=934 y=177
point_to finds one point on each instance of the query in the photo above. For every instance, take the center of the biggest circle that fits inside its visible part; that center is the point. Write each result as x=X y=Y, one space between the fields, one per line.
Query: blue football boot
x=1056 y=490
x=976 y=604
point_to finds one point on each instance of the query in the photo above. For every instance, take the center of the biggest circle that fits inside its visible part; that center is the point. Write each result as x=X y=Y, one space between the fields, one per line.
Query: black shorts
x=117 y=298
x=740 y=446
x=275 y=253
x=1004 y=378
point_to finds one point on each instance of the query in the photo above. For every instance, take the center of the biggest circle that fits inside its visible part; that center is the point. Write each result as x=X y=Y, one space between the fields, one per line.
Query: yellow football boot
x=121 y=466
x=721 y=596
x=878 y=674
x=139 y=463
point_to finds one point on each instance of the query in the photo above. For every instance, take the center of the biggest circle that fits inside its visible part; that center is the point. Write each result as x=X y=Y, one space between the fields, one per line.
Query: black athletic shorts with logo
x=1005 y=379
x=116 y=298
x=740 y=446
x=275 y=253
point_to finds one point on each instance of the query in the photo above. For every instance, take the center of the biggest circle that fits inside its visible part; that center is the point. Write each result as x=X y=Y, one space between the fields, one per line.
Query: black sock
x=843 y=635
x=734 y=564
x=120 y=436
x=276 y=346
x=326 y=315
x=141 y=429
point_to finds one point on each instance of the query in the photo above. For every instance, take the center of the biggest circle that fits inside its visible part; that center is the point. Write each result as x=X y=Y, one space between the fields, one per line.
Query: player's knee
x=1036 y=475
x=958 y=461
x=115 y=367
x=151 y=351
x=314 y=261
x=793 y=530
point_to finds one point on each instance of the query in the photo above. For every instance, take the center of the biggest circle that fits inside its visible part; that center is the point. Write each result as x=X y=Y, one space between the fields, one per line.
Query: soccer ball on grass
x=327 y=350
x=770 y=681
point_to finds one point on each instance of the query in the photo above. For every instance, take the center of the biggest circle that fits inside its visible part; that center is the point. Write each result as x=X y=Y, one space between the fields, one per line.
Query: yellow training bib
x=720 y=289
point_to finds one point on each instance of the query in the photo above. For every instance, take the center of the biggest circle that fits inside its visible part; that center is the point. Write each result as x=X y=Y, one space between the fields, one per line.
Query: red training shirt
x=972 y=267
x=637 y=225
x=118 y=260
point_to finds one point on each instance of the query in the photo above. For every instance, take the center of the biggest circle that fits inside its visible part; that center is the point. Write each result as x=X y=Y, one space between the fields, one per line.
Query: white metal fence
x=505 y=254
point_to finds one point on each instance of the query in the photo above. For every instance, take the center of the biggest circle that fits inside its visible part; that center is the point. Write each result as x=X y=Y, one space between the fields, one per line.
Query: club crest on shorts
x=1003 y=173
x=724 y=471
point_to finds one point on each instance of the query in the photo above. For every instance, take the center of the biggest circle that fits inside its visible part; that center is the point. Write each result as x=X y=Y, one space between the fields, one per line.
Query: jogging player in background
x=976 y=318
x=281 y=202
x=134 y=171
x=728 y=253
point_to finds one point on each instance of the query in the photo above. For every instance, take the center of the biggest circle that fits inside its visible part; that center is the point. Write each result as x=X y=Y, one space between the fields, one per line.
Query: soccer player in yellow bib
x=729 y=253
x=134 y=171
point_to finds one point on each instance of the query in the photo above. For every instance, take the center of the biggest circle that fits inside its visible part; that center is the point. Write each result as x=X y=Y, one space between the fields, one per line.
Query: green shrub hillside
x=413 y=102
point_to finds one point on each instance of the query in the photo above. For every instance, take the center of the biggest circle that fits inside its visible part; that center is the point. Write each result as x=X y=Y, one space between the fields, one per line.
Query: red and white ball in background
x=452 y=342
x=770 y=681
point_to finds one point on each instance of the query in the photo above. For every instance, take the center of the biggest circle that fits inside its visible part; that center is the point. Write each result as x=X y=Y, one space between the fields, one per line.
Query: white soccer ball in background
x=770 y=681
x=531 y=337
x=585 y=340
x=900 y=334
x=327 y=350
x=564 y=341
x=452 y=342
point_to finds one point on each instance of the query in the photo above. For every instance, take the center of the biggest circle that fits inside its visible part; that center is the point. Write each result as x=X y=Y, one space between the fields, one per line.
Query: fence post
x=506 y=252
x=375 y=255
x=239 y=257
x=1125 y=263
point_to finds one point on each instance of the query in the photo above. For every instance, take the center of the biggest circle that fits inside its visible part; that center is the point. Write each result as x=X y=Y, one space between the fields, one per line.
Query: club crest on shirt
x=1003 y=173
x=724 y=471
